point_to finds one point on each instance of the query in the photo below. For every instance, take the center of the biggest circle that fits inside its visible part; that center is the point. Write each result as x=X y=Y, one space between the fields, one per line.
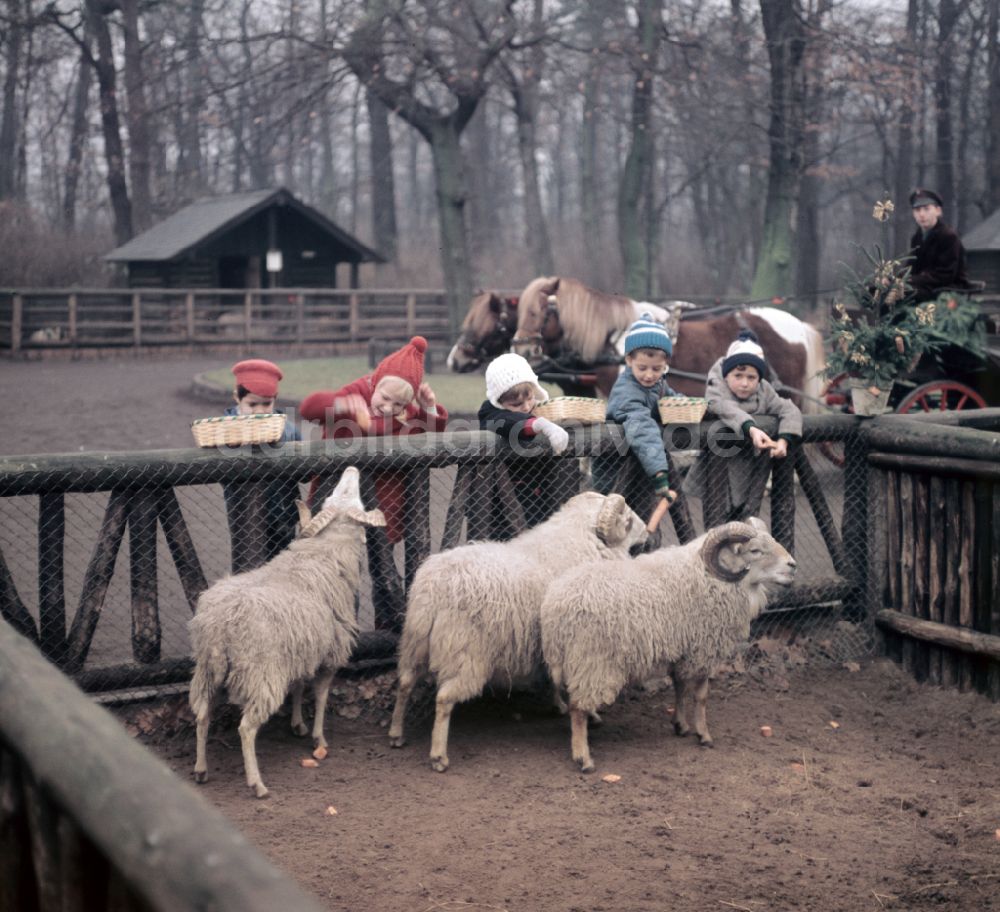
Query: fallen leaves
x=331 y=811
x=766 y=731
x=611 y=777
x=309 y=763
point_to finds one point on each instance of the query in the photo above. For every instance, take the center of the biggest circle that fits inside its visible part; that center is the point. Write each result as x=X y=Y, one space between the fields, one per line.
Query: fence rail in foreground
x=91 y=820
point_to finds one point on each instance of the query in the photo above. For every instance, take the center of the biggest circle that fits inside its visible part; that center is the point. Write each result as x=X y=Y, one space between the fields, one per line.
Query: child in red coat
x=393 y=400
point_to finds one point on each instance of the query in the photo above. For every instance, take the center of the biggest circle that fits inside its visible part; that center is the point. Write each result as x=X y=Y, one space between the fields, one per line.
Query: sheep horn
x=368 y=517
x=318 y=523
x=305 y=514
x=719 y=538
x=610 y=528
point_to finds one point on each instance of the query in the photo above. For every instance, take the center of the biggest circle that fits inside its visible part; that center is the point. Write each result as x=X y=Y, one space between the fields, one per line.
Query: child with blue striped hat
x=634 y=399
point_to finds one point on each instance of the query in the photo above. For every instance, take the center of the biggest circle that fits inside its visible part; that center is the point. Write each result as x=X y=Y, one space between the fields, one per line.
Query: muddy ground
x=872 y=793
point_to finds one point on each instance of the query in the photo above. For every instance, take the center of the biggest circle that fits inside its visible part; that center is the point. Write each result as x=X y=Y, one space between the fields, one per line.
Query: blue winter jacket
x=635 y=407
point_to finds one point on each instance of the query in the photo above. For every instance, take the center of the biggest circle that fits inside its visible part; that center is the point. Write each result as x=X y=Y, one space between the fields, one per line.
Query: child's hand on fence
x=779 y=449
x=760 y=440
x=557 y=437
x=426 y=398
x=352 y=406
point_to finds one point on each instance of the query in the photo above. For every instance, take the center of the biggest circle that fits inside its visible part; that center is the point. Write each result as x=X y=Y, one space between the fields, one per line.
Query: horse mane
x=588 y=317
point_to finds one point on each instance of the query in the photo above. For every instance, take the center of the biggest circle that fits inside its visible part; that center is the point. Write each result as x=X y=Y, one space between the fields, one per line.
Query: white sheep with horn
x=264 y=632
x=686 y=609
x=472 y=613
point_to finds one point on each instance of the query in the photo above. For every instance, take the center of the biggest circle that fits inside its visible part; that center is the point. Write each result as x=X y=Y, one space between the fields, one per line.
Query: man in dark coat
x=938 y=255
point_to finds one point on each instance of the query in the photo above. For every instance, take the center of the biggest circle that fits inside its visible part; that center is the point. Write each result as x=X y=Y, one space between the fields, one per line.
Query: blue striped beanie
x=647 y=333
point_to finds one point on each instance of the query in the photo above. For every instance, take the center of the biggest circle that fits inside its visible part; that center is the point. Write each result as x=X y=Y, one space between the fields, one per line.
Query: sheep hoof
x=396 y=741
x=301 y=729
x=260 y=790
x=586 y=766
x=201 y=776
x=706 y=742
x=681 y=731
x=439 y=764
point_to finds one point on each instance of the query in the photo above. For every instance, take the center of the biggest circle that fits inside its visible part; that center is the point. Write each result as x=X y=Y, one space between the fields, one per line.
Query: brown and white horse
x=562 y=321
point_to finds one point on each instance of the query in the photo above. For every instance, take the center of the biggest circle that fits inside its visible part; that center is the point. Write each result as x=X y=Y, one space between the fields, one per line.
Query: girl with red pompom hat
x=393 y=400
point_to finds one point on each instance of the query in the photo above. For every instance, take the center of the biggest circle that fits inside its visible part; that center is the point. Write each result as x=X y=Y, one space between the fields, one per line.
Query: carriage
x=952 y=379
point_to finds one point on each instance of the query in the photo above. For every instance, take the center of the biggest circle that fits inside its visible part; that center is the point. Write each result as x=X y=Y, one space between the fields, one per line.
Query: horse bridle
x=533 y=346
x=476 y=349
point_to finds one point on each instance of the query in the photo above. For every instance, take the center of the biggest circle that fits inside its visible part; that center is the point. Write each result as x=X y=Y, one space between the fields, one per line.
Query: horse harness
x=479 y=349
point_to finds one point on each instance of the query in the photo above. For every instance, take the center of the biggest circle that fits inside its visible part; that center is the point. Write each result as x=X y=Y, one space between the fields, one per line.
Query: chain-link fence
x=103 y=556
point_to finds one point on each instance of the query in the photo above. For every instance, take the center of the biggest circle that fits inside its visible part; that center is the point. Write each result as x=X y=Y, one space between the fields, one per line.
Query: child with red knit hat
x=255 y=393
x=393 y=400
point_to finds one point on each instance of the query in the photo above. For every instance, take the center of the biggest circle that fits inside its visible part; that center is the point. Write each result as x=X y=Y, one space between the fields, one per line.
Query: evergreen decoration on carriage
x=878 y=334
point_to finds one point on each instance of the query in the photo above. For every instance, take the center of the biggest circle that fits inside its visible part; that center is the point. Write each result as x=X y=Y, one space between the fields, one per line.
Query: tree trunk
x=8 y=121
x=452 y=193
x=783 y=29
x=189 y=160
x=384 y=228
x=910 y=60
x=632 y=212
x=78 y=136
x=993 y=112
x=590 y=209
x=944 y=170
x=114 y=151
x=138 y=120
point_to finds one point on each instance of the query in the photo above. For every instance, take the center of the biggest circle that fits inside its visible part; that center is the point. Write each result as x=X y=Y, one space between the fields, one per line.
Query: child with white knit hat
x=512 y=392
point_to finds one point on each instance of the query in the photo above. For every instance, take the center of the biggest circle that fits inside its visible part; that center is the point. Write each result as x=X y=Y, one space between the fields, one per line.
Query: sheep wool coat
x=389 y=485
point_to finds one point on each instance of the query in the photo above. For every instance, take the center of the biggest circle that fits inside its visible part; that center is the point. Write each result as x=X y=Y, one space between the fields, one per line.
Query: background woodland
x=654 y=147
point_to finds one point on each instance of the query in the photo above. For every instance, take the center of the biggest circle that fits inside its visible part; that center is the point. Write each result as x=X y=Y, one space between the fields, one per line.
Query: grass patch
x=459 y=393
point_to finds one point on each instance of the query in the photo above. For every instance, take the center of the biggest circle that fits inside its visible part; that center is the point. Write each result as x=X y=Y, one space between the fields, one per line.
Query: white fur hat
x=507 y=371
x=745 y=350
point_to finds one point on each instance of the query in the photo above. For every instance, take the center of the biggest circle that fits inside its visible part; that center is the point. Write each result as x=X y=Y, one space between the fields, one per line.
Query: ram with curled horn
x=685 y=609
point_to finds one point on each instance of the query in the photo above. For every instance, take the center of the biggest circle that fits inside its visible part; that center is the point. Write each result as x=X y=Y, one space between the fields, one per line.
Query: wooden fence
x=52 y=319
x=935 y=532
x=476 y=499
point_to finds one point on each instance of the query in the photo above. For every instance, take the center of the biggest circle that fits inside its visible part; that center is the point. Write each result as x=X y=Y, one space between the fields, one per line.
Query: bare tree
x=993 y=111
x=405 y=52
x=78 y=134
x=9 y=126
x=138 y=119
x=785 y=37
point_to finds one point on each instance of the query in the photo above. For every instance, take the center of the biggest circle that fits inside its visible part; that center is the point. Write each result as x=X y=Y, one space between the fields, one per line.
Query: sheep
x=268 y=630
x=472 y=614
x=686 y=608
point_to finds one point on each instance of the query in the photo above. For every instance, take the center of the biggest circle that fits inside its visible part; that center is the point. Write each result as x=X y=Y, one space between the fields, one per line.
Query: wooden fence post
x=16 y=322
x=354 y=317
x=136 y=319
x=411 y=314
x=51 y=597
x=189 y=314
x=142 y=572
x=300 y=318
x=72 y=306
x=247 y=317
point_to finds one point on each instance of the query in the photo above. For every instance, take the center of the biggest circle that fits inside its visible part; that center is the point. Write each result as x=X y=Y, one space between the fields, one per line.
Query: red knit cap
x=407 y=363
x=258 y=377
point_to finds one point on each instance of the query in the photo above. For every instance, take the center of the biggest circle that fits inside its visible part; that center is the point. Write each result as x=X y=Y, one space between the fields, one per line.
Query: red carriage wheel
x=941 y=396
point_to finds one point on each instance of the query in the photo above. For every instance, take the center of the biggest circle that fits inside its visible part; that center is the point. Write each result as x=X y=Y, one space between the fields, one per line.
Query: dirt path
x=896 y=808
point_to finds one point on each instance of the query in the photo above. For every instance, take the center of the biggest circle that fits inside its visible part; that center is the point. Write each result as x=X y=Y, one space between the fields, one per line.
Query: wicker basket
x=682 y=409
x=236 y=430
x=573 y=410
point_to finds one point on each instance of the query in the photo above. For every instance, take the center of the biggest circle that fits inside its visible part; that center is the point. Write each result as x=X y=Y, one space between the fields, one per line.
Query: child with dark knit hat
x=737 y=391
x=393 y=400
x=634 y=403
x=255 y=392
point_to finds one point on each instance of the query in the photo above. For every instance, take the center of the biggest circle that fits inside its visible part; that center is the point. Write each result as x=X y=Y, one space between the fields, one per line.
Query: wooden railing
x=475 y=498
x=935 y=531
x=145 y=317
x=90 y=820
